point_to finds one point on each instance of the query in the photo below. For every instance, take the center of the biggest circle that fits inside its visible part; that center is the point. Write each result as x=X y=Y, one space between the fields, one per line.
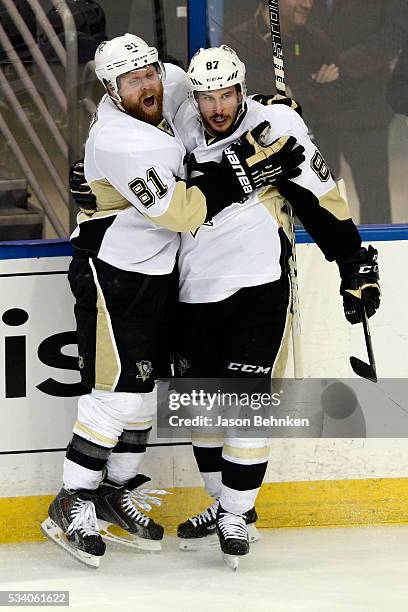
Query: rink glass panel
x=21 y=216
x=350 y=118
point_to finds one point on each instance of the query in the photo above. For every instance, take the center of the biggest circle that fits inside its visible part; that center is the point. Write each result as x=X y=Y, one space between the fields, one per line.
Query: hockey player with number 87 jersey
x=234 y=286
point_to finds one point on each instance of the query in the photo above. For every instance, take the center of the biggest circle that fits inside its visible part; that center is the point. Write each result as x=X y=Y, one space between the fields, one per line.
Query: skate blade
x=113 y=533
x=232 y=561
x=56 y=535
x=253 y=533
x=196 y=544
x=212 y=541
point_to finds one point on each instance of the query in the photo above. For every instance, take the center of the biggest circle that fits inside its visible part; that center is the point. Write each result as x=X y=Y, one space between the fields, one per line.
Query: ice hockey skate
x=72 y=524
x=200 y=532
x=233 y=535
x=120 y=517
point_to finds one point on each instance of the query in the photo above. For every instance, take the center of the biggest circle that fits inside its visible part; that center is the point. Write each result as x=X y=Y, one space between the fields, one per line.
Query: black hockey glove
x=359 y=284
x=245 y=166
x=80 y=190
x=254 y=164
x=269 y=100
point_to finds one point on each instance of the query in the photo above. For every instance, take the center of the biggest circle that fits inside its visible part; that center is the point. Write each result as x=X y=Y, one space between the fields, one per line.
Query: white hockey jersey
x=240 y=246
x=133 y=169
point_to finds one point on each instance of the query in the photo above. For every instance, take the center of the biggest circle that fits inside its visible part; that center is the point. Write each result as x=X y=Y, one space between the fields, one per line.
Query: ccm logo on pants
x=253 y=369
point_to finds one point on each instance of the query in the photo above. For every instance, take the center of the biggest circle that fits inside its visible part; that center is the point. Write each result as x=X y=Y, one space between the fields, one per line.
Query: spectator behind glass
x=311 y=60
x=369 y=36
x=398 y=84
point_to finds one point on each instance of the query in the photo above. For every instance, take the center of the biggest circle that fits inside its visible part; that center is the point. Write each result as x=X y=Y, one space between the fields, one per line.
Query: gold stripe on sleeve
x=108 y=199
x=186 y=212
x=335 y=204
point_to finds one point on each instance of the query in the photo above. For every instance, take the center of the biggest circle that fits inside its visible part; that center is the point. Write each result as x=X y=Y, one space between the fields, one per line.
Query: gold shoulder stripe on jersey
x=334 y=203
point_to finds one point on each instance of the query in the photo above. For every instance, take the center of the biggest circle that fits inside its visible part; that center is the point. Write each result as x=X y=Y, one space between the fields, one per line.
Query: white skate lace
x=208 y=516
x=233 y=526
x=83 y=518
x=143 y=499
x=146 y=498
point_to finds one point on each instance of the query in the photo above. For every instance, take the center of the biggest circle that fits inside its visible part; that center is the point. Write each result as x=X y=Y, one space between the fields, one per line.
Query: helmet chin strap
x=114 y=95
x=117 y=101
x=119 y=105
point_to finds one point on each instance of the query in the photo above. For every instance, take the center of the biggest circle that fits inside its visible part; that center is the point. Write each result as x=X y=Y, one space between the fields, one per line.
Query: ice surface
x=358 y=569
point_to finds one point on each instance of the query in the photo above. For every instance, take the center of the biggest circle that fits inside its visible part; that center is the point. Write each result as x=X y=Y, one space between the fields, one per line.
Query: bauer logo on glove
x=258 y=165
x=239 y=170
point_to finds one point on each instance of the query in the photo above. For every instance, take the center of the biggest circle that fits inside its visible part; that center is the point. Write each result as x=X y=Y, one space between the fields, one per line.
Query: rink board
x=328 y=503
x=327 y=481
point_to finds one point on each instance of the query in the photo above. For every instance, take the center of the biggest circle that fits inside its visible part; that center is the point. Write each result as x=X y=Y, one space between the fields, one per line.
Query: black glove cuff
x=362 y=265
x=220 y=189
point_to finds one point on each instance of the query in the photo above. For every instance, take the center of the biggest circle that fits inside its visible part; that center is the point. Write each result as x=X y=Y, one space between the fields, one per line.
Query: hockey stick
x=160 y=28
x=361 y=368
x=279 y=71
x=277 y=51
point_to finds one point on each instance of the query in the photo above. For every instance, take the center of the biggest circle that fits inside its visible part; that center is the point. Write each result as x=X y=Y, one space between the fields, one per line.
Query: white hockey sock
x=124 y=466
x=76 y=476
x=237 y=502
x=212 y=483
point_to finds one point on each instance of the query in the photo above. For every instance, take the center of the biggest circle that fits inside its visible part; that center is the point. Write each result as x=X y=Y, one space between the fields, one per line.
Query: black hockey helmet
x=90 y=22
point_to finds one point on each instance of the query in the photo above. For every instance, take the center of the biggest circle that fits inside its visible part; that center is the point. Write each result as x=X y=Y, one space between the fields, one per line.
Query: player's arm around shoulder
x=187 y=125
x=143 y=165
x=175 y=89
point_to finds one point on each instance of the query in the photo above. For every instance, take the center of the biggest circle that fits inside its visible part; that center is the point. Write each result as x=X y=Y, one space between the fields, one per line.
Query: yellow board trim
x=324 y=503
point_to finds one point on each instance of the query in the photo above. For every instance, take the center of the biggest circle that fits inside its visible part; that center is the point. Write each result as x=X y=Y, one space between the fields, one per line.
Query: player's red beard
x=139 y=110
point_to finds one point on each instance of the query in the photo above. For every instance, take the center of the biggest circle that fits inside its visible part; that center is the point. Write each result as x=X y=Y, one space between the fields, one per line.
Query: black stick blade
x=365 y=370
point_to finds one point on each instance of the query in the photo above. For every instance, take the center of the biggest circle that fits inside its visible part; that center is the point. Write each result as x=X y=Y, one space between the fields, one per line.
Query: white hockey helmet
x=215 y=68
x=121 y=55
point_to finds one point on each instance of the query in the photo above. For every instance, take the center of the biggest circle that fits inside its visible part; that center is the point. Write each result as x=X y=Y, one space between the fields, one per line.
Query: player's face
x=142 y=94
x=219 y=108
x=293 y=13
